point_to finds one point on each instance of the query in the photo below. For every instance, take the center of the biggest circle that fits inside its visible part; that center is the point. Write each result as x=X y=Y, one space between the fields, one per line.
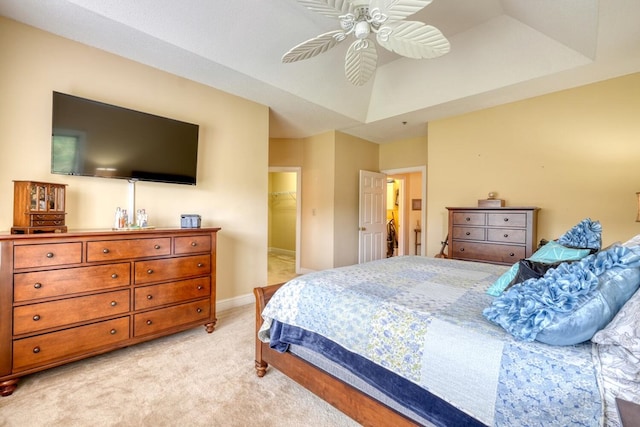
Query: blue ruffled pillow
x=585 y=234
x=569 y=304
x=550 y=253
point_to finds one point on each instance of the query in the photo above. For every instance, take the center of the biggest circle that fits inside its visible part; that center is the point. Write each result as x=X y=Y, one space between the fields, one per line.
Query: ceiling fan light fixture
x=362 y=30
x=384 y=18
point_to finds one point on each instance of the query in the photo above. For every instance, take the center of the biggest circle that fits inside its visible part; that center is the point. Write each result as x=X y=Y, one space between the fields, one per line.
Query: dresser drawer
x=45 y=315
x=170 y=317
x=469 y=218
x=507 y=235
x=43 y=284
x=109 y=250
x=192 y=244
x=507 y=219
x=173 y=268
x=468 y=233
x=170 y=293
x=504 y=254
x=46 y=255
x=47 y=348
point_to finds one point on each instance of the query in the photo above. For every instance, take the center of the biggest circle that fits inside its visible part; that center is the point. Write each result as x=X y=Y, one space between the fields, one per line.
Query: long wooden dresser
x=495 y=235
x=68 y=296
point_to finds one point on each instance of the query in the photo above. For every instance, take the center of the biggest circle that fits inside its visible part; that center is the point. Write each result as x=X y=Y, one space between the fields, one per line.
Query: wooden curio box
x=38 y=207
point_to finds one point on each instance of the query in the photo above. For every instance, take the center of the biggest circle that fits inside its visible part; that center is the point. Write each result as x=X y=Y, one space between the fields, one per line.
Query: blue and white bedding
x=421 y=319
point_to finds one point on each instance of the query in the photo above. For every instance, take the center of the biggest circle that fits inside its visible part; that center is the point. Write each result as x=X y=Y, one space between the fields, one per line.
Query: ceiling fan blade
x=314 y=46
x=360 y=62
x=397 y=10
x=413 y=39
x=330 y=8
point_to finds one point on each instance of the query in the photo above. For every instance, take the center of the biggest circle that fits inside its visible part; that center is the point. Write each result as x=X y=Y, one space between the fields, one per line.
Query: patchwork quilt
x=421 y=319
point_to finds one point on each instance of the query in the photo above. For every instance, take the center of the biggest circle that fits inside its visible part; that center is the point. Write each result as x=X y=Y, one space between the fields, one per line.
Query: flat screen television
x=91 y=138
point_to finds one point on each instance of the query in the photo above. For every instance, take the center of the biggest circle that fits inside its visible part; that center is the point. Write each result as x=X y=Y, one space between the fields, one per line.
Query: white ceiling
x=501 y=51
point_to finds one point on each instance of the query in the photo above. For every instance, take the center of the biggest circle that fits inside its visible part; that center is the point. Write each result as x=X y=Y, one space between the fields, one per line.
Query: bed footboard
x=351 y=401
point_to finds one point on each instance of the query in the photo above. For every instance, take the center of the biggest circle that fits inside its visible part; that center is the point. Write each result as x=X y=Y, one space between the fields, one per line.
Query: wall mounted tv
x=91 y=138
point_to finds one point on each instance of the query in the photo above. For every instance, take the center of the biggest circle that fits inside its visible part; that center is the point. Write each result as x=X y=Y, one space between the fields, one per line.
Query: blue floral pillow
x=585 y=234
x=550 y=253
x=569 y=304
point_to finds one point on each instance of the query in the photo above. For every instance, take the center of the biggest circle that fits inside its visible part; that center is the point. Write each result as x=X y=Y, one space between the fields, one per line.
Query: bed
x=420 y=341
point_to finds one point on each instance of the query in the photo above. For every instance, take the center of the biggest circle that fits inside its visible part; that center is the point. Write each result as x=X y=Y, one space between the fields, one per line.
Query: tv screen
x=91 y=138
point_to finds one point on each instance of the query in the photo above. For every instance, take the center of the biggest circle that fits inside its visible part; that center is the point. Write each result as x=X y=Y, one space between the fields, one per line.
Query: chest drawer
x=47 y=348
x=469 y=218
x=45 y=315
x=165 y=318
x=109 y=250
x=468 y=233
x=507 y=235
x=504 y=254
x=43 y=284
x=192 y=244
x=46 y=255
x=170 y=269
x=168 y=293
x=507 y=219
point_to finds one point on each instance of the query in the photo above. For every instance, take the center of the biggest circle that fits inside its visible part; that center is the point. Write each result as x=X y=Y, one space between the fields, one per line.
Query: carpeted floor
x=188 y=379
x=281 y=268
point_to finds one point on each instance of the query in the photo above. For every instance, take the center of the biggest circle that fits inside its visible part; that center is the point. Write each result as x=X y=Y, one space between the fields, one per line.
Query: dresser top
x=504 y=208
x=106 y=232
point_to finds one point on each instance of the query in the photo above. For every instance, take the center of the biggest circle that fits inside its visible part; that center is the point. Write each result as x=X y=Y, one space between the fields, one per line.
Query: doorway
x=284 y=202
x=409 y=213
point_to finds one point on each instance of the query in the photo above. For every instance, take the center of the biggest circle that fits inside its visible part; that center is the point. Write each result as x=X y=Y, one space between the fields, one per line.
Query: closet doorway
x=283 y=224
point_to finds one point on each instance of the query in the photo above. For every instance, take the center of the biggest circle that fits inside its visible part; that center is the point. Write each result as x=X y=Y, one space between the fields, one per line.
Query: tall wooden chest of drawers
x=65 y=297
x=495 y=235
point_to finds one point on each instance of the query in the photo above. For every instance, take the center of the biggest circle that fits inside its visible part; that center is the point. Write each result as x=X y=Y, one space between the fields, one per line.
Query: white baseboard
x=239 y=301
x=283 y=252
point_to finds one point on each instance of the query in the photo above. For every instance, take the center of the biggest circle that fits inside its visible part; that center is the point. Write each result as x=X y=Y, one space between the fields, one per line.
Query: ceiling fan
x=385 y=19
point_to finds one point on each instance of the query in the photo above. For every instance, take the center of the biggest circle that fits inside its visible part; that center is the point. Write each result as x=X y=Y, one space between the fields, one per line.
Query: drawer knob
x=156 y=246
x=37 y=285
x=512 y=254
x=114 y=276
x=467 y=219
x=461 y=249
x=506 y=235
x=36 y=317
x=36 y=350
x=105 y=251
x=468 y=233
x=200 y=287
x=150 y=271
x=194 y=244
x=200 y=264
x=149 y=322
x=49 y=254
x=113 y=332
x=114 y=303
x=149 y=296
x=199 y=310
x=506 y=219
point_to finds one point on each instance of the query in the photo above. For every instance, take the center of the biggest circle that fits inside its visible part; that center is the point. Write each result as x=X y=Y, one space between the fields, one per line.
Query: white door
x=373 y=216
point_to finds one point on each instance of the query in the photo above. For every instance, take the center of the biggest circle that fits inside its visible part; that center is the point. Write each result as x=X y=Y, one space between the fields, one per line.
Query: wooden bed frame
x=359 y=406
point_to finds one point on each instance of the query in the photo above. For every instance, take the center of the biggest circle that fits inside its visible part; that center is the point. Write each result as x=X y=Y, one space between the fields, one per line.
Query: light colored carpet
x=189 y=379
x=281 y=268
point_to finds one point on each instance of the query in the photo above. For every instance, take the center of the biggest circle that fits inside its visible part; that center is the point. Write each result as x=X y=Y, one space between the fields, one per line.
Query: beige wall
x=352 y=155
x=574 y=154
x=232 y=170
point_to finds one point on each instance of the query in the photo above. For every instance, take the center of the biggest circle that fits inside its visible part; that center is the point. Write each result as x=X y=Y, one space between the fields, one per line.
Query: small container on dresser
x=38 y=207
x=497 y=235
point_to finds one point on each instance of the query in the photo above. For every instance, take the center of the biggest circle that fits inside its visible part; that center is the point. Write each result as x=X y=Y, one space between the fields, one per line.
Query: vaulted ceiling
x=501 y=51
